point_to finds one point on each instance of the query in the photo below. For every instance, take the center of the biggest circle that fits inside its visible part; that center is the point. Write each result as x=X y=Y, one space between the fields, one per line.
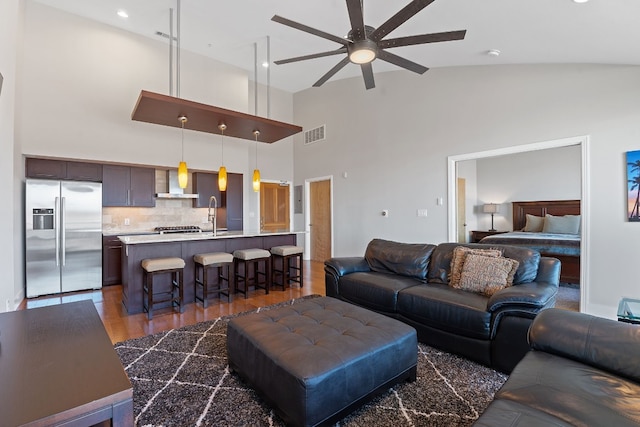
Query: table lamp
x=491 y=208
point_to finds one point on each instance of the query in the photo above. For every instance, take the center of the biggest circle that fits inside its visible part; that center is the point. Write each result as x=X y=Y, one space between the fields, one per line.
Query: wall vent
x=314 y=135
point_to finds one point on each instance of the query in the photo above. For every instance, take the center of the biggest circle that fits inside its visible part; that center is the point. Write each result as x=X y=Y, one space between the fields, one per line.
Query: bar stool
x=205 y=262
x=252 y=258
x=155 y=266
x=285 y=254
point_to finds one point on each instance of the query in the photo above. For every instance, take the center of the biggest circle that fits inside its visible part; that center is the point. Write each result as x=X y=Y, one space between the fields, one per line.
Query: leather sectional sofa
x=410 y=282
x=581 y=371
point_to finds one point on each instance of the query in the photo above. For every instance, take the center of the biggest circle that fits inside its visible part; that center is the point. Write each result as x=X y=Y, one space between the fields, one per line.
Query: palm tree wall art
x=633 y=186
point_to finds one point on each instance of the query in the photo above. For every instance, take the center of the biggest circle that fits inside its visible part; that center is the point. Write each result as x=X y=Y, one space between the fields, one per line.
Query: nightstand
x=476 y=236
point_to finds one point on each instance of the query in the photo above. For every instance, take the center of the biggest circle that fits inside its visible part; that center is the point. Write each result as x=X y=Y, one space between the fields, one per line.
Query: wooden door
x=274 y=207
x=462 y=211
x=320 y=220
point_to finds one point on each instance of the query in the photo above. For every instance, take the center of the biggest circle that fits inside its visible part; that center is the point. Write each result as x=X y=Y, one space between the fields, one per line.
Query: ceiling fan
x=363 y=43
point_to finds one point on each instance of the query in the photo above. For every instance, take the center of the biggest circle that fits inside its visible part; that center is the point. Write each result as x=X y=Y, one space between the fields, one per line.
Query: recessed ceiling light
x=580 y=1
x=123 y=13
x=493 y=52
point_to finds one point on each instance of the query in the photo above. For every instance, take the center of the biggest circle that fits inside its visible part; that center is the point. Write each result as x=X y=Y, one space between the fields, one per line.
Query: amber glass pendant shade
x=222 y=179
x=256 y=180
x=183 y=175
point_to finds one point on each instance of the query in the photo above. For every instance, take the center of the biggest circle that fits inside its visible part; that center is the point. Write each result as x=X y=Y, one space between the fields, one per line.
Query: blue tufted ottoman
x=318 y=360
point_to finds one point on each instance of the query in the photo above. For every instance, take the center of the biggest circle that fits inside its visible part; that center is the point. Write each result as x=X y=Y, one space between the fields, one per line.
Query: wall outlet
x=421 y=212
x=205 y=220
x=127 y=221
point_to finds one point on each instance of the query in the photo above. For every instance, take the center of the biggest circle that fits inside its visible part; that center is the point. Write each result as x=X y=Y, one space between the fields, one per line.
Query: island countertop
x=136 y=248
x=205 y=235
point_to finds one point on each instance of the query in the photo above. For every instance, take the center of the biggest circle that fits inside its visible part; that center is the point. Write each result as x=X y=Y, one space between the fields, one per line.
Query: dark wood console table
x=58 y=367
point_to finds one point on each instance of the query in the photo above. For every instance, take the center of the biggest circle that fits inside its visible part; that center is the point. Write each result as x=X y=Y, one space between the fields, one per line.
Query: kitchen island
x=185 y=246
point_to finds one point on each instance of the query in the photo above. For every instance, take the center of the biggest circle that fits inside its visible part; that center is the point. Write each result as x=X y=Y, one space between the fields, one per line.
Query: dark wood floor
x=120 y=326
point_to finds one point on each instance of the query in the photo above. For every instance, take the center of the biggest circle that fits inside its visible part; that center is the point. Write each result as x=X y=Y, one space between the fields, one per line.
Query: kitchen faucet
x=213 y=217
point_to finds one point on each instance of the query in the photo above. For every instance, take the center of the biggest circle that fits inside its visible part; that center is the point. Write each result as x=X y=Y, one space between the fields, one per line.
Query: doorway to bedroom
x=544 y=171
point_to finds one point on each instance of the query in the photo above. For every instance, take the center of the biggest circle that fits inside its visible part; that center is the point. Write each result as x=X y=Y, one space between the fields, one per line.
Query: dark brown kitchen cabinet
x=128 y=186
x=205 y=185
x=233 y=201
x=62 y=169
x=111 y=261
x=79 y=171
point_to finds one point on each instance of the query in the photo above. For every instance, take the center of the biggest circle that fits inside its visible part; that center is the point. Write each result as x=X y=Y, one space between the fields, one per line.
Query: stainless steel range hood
x=175 y=192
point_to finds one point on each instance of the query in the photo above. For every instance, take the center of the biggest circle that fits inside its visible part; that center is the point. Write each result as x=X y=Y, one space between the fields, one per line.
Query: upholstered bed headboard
x=541 y=208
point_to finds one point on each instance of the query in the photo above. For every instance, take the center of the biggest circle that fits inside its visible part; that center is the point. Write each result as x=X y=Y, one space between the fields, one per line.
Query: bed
x=564 y=246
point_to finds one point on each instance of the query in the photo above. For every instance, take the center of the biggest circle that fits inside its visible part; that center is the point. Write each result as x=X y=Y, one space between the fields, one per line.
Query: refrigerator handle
x=63 y=231
x=56 y=222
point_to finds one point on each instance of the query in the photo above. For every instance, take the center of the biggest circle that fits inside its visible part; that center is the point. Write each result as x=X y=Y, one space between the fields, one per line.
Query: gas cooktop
x=179 y=229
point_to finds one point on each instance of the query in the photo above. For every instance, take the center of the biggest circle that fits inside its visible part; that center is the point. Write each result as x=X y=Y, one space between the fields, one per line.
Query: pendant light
x=222 y=172
x=183 y=175
x=256 y=171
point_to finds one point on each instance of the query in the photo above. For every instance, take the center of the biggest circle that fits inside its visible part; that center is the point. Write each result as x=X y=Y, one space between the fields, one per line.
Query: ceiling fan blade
x=307 y=29
x=367 y=74
x=331 y=72
x=401 y=62
x=357 y=20
x=312 y=56
x=399 y=18
x=423 y=38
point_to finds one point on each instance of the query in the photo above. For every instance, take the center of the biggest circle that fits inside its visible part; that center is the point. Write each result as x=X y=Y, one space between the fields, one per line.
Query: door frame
x=585 y=214
x=307 y=213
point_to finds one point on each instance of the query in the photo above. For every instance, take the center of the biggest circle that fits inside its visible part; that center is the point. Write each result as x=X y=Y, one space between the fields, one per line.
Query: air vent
x=314 y=135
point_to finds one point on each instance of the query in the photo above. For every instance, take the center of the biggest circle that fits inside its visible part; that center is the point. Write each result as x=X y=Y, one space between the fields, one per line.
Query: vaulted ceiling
x=524 y=31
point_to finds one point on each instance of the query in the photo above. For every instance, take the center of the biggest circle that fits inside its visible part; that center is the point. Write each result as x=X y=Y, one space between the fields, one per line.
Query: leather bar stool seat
x=222 y=262
x=153 y=267
x=285 y=260
x=252 y=260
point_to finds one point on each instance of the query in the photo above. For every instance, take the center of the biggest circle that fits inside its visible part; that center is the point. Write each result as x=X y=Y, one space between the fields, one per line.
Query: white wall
x=11 y=290
x=394 y=142
x=551 y=174
x=81 y=83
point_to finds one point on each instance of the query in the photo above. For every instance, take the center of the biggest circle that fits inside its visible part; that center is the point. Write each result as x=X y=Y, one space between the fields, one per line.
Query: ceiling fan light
x=362 y=56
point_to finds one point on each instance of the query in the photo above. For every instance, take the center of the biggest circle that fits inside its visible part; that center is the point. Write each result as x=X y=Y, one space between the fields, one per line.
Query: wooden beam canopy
x=165 y=110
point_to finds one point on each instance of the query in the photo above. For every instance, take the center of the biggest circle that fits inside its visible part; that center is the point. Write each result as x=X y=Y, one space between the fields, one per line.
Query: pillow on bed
x=459 y=256
x=534 y=224
x=487 y=275
x=567 y=224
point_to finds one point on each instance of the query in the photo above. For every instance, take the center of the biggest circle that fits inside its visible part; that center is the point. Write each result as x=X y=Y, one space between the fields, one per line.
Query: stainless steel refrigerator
x=63 y=236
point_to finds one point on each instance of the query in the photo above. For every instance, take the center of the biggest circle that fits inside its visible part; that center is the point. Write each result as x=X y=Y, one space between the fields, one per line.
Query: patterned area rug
x=181 y=378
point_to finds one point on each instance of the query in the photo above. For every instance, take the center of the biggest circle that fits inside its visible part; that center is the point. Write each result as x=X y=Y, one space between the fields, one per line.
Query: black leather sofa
x=581 y=371
x=410 y=282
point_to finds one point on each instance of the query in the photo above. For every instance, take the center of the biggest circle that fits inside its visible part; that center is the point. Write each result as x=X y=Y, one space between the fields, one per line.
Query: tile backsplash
x=167 y=212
